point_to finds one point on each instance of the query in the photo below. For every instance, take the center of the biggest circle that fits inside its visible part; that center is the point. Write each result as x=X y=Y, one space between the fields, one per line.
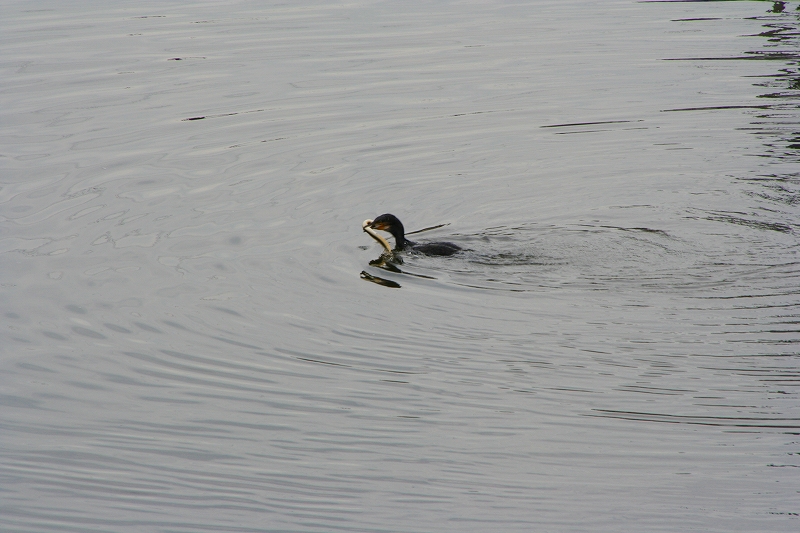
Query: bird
x=390 y=223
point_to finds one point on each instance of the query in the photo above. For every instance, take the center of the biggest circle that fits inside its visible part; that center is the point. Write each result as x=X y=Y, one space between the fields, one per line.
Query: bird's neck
x=399 y=238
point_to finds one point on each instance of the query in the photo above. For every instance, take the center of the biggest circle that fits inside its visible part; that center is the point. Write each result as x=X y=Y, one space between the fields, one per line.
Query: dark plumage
x=393 y=225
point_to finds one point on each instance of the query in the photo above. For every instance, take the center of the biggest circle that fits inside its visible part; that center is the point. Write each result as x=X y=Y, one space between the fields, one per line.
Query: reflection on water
x=380 y=281
x=772 y=123
x=187 y=345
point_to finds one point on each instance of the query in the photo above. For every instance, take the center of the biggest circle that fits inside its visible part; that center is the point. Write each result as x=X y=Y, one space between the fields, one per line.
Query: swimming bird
x=392 y=224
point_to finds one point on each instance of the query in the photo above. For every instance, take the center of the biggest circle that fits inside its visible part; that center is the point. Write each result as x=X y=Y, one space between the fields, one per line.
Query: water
x=188 y=343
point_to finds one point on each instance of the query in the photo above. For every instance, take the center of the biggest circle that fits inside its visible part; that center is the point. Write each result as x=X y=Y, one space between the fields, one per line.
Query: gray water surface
x=189 y=343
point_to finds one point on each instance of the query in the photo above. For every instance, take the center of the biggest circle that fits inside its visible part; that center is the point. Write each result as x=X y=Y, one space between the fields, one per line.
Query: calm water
x=188 y=344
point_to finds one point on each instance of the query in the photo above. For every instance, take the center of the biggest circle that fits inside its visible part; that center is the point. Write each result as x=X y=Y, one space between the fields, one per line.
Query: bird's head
x=386 y=222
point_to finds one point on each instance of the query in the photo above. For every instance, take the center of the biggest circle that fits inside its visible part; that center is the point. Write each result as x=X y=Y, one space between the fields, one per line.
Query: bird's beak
x=380 y=225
